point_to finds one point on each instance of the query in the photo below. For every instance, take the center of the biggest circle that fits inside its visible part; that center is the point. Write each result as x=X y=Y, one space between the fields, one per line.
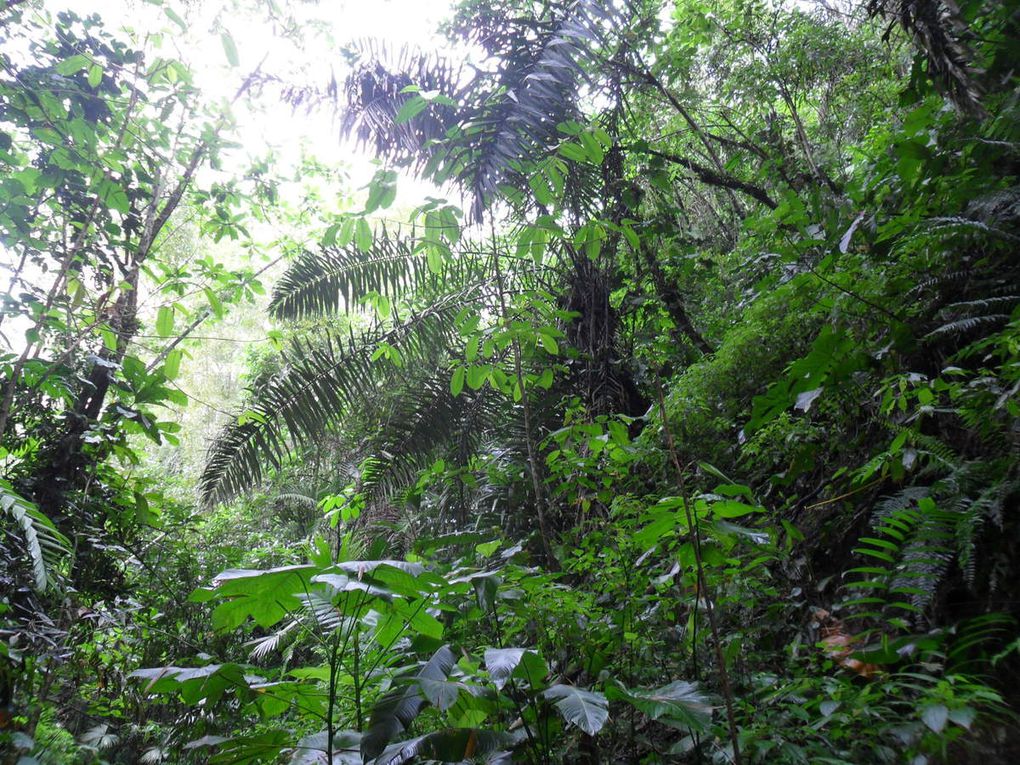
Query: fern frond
x=44 y=544
x=967 y=324
x=290 y=498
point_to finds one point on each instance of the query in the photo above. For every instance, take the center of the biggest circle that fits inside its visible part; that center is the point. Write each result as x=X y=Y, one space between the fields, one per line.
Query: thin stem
x=703 y=592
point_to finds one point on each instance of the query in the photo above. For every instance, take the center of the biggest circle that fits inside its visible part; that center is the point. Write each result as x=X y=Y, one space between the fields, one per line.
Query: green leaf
x=398 y=708
x=172 y=364
x=679 y=701
x=434 y=260
x=477 y=375
x=457 y=382
x=44 y=544
x=214 y=303
x=935 y=717
x=165 y=321
x=175 y=18
x=196 y=684
x=95 y=75
x=588 y=710
x=73 y=64
x=263 y=596
x=411 y=108
x=574 y=152
x=329 y=238
x=229 y=48
x=449 y=745
x=501 y=662
x=730 y=508
x=363 y=235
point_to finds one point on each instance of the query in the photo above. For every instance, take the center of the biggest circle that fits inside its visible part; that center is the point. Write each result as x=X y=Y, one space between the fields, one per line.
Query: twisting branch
x=711 y=177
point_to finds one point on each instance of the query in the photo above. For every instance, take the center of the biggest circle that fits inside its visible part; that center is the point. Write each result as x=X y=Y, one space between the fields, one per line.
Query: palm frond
x=501 y=119
x=967 y=324
x=334 y=278
x=426 y=422
x=935 y=29
x=44 y=544
x=538 y=90
x=376 y=90
x=318 y=384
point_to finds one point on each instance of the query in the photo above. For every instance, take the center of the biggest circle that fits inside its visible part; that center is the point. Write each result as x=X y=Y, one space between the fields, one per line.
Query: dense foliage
x=679 y=424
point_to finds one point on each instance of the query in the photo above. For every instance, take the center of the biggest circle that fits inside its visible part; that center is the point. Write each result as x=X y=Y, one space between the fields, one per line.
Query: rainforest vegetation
x=619 y=381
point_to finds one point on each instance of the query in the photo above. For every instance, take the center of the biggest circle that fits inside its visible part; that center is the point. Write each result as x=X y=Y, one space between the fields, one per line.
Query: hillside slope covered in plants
x=676 y=421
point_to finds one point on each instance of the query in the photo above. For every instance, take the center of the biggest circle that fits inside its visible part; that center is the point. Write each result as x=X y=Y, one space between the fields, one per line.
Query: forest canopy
x=568 y=381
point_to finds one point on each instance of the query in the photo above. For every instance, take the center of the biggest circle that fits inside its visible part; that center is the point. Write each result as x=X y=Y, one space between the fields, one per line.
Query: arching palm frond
x=499 y=119
x=44 y=544
x=537 y=91
x=334 y=278
x=376 y=90
x=428 y=422
x=936 y=30
x=317 y=386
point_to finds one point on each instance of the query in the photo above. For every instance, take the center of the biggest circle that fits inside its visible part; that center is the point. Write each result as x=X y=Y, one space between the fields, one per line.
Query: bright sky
x=308 y=57
x=325 y=27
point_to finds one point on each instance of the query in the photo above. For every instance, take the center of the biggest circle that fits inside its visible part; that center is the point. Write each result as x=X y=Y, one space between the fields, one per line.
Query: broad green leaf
x=165 y=321
x=574 y=152
x=449 y=745
x=229 y=48
x=264 y=596
x=397 y=709
x=172 y=363
x=410 y=109
x=175 y=18
x=457 y=382
x=588 y=710
x=935 y=716
x=73 y=64
x=501 y=662
x=679 y=701
x=214 y=303
x=363 y=235
x=729 y=508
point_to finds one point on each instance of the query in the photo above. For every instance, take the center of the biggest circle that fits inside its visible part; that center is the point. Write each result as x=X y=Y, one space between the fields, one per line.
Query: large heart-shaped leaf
x=679 y=701
x=450 y=745
x=588 y=710
x=395 y=711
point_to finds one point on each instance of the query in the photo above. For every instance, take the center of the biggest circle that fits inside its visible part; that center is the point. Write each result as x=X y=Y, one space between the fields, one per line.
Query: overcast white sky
x=326 y=26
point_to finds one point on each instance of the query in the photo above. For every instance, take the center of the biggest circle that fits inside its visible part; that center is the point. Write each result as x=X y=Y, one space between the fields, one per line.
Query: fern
x=43 y=543
x=907 y=558
x=966 y=324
